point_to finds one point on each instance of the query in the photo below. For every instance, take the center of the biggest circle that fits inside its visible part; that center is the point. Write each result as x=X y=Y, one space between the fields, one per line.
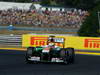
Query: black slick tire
x=29 y=53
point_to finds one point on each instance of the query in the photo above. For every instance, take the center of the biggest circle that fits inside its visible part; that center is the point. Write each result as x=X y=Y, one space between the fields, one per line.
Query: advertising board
x=85 y=43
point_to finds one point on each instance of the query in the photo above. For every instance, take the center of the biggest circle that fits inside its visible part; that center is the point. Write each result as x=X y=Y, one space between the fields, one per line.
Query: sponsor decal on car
x=35 y=58
x=45 y=51
x=57 y=60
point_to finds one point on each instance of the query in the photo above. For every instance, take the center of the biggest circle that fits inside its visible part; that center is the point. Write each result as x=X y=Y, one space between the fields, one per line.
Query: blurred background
x=69 y=17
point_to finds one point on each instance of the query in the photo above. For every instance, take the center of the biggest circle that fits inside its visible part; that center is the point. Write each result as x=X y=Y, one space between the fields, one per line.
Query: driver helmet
x=51 y=39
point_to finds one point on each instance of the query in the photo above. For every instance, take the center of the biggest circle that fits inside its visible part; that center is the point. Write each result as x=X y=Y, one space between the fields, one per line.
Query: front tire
x=29 y=53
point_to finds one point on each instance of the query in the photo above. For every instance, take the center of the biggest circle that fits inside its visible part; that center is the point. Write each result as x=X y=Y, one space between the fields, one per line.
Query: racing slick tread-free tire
x=63 y=54
x=71 y=55
x=68 y=55
x=29 y=53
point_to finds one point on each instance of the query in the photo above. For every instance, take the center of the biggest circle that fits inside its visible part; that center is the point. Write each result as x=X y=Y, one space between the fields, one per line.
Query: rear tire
x=64 y=56
x=68 y=55
x=71 y=53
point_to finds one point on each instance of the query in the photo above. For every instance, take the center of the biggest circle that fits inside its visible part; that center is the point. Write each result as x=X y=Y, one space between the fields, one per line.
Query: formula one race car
x=53 y=51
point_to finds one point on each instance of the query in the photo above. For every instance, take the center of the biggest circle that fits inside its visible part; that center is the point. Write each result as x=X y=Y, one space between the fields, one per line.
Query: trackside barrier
x=83 y=43
x=80 y=43
x=10 y=41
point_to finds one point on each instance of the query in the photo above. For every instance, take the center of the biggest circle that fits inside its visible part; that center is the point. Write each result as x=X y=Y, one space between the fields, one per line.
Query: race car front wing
x=39 y=60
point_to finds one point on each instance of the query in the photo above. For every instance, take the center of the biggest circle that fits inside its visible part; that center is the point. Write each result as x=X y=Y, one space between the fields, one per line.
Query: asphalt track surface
x=13 y=63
